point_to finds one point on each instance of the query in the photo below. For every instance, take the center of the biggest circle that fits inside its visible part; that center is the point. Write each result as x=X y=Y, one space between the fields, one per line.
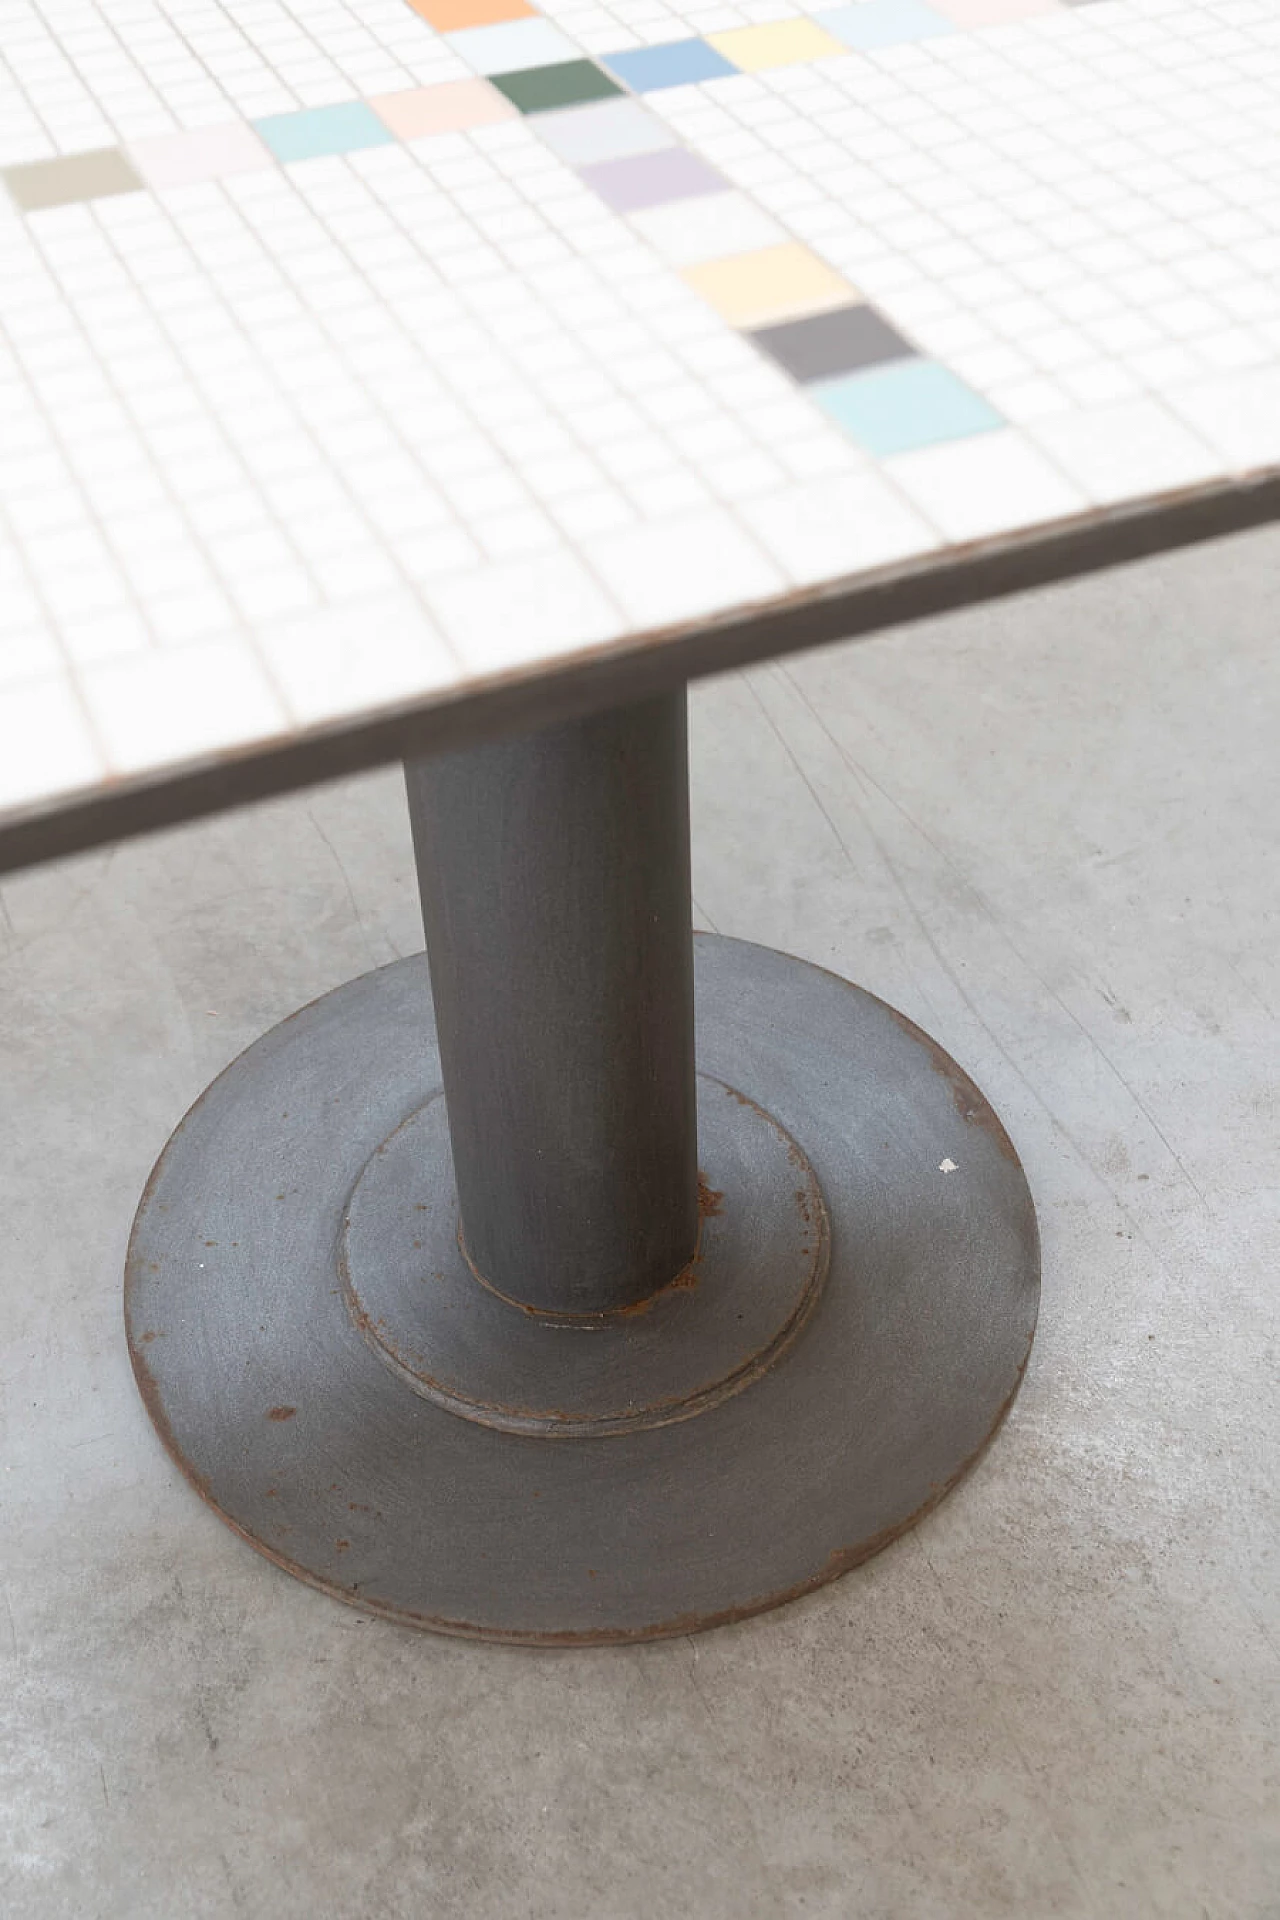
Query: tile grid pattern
x=398 y=390
x=808 y=318
x=798 y=310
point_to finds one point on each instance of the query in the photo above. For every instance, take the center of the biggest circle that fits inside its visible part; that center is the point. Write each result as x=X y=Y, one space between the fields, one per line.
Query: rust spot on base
x=281 y=1413
x=970 y=1103
x=710 y=1199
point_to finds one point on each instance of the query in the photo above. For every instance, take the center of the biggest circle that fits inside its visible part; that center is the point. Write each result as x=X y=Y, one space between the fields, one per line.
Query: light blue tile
x=680 y=63
x=318 y=131
x=513 y=45
x=884 y=23
x=907 y=404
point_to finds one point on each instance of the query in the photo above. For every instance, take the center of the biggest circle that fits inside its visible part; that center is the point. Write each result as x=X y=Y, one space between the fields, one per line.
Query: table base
x=309 y=1442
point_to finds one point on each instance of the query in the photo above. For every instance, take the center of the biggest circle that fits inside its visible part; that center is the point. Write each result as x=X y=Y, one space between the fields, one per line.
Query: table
x=453 y=381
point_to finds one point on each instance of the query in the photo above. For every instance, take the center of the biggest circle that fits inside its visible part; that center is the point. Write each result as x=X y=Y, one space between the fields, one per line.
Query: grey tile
x=74 y=176
x=827 y=344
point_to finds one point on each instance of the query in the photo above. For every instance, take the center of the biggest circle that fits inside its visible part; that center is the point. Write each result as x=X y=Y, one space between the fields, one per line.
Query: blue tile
x=323 y=130
x=884 y=23
x=906 y=404
x=678 y=64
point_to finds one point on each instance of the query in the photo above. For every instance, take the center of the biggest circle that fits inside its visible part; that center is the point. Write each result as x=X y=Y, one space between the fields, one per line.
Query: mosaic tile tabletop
x=354 y=355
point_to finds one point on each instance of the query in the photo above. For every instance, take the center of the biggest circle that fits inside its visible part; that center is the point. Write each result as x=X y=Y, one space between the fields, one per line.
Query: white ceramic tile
x=685 y=232
x=45 y=743
x=1238 y=414
x=822 y=529
x=512 y=45
x=291 y=397
x=181 y=703
x=672 y=570
x=511 y=615
x=340 y=658
x=1125 y=451
x=607 y=130
x=990 y=484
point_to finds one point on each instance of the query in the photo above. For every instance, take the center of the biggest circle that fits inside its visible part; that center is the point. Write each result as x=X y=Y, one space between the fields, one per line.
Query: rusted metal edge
x=639 y=665
x=840 y=1561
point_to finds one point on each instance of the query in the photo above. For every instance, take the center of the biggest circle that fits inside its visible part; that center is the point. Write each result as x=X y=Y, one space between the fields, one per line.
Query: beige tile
x=775 y=283
x=76 y=176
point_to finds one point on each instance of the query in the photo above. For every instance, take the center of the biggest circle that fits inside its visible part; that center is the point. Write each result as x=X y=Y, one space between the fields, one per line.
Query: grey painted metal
x=554 y=871
x=287 y=1422
x=705 y=1336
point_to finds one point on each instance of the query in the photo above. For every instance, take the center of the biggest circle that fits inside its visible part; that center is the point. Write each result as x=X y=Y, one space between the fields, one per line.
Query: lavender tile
x=651 y=179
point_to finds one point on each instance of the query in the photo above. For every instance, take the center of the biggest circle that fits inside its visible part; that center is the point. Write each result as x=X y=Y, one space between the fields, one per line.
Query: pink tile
x=989 y=13
x=208 y=153
x=449 y=108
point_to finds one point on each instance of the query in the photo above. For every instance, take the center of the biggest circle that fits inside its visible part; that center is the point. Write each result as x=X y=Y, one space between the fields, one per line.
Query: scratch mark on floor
x=334 y=855
x=859 y=772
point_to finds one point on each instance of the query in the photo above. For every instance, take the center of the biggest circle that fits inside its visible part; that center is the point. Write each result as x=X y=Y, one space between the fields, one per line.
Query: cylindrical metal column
x=554 y=871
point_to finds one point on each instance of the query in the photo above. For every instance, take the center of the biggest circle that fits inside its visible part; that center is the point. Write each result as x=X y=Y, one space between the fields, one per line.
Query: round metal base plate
x=733 y=1311
x=310 y=1445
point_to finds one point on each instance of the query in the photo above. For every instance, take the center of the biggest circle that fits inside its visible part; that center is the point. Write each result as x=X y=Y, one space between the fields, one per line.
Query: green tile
x=77 y=176
x=568 y=84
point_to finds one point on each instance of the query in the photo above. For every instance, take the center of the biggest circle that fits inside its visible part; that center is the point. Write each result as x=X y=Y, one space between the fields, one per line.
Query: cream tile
x=773 y=283
x=779 y=43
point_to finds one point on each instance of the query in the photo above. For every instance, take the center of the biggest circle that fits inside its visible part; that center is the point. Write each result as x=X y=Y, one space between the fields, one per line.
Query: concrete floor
x=1049 y=832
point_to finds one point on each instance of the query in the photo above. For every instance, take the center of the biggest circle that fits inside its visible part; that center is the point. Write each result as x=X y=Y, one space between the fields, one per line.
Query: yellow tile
x=775 y=283
x=783 y=43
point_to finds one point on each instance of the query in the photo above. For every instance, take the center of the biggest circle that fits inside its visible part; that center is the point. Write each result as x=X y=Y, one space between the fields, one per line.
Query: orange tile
x=448 y=108
x=448 y=16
